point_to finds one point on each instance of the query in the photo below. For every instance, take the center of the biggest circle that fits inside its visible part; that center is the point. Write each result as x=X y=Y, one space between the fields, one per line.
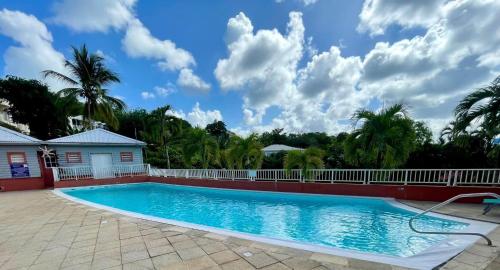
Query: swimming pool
x=358 y=224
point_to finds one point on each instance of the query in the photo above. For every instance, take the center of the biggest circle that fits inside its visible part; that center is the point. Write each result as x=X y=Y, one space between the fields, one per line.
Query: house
x=19 y=162
x=6 y=118
x=97 y=149
x=276 y=148
x=77 y=123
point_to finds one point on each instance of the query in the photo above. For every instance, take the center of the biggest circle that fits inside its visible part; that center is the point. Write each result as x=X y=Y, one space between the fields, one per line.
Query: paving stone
x=184 y=244
x=103 y=263
x=145 y=264
x=239 y=264
x=135 y=255
x=190 y=253
x=178 y=238
x=155 y=251
x=260 y=260
x=330 y=259
x=277 y=266
x=163 y=261
x=300 y=263
x=213 y=247
x=224 y=256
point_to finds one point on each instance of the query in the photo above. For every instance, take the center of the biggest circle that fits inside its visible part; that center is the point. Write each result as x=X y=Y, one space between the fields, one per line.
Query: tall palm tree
x=244 y=153
x=200 y=146
x=163 y=130
x=481 y=105
x=384 y=140
x=311 y=158
x=88 y=79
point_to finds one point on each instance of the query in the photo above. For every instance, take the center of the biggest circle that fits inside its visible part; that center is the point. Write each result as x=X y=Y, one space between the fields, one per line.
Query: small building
x=77 y=123
x=97 y=149
x=19 y=162
x=276 y=148
x=6 y=118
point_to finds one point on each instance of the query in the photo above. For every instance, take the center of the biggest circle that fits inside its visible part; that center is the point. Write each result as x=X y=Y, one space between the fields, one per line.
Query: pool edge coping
x=426 y=259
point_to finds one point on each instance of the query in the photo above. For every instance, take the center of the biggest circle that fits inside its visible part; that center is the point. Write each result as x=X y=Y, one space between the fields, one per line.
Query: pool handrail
x=460 y=196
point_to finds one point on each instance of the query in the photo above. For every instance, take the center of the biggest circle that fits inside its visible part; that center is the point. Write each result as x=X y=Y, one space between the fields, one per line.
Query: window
x=73 y=157
x=51 y=161
x=126 y=156
x=16 y=157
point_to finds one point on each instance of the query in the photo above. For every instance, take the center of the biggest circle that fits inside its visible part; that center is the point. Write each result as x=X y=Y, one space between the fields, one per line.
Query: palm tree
x=88 y=77
x=384 y=140
x=163 y=130
x=244 y=153
x=481 y=105
x=200 y=146
x=311 y=158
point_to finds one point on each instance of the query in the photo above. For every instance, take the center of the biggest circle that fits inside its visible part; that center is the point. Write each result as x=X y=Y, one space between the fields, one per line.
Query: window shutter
x=126 y=156
x=73 y=157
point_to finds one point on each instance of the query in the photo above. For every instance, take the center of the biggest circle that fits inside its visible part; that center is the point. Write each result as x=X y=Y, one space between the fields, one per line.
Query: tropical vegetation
x=387 y=138
x=88 y=78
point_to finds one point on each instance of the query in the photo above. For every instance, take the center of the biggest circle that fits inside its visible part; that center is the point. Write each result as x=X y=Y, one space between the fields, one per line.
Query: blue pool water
x=353 y=223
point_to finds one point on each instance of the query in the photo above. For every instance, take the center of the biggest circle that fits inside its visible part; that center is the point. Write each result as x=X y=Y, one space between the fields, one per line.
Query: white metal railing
x=444 y=177
x=88 y=172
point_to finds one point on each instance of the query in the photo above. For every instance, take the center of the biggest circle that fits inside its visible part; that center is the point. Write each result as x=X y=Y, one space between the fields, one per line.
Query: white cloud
x=263 y=63
x=93 y=15
x=138 y=42
x=197 y=117
x=305 y=2
x=190 y=81
x=431 y=72
x=377 y=15
x=33 y=51
x=264 y=66
x=167 y=90
x=147 y=95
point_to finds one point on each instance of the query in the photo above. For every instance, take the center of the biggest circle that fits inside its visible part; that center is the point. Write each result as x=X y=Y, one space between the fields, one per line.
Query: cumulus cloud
x=190 y=81
x=377 y=15
x=430 y=72
x=261 y=62
x=147 y=95
x=198 y=117
x=264 y=65
x=305 y=2
x=33 y=51
x=167 y=90
x=93 y=15
x=138 y=42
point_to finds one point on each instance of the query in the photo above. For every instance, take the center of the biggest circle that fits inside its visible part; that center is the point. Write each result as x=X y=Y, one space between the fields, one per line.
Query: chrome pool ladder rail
x=467 y=195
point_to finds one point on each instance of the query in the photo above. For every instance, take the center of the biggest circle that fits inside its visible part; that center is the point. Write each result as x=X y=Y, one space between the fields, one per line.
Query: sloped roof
x=279 y=147
x=8 y=136
x=96 y=136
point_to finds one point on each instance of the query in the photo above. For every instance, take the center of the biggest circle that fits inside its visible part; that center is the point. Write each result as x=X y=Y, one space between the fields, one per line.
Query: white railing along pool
x=88 y=172
x=443 y=177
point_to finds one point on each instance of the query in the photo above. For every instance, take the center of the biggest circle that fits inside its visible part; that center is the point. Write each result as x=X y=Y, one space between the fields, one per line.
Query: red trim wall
x=97 y=182
x=418 y=193
x=16 y=184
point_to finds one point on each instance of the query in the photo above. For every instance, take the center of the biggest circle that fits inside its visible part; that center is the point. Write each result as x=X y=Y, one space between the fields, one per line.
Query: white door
x=102 y=165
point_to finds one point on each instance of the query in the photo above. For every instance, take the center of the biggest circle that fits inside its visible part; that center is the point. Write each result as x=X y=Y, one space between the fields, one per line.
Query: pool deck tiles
x=39 y=230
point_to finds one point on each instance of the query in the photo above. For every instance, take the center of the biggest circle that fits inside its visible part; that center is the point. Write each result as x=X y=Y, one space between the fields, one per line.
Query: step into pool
x=369 y=225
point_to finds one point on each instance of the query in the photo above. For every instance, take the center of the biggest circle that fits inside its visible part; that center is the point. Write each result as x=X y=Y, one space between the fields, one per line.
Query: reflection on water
x=363 y=224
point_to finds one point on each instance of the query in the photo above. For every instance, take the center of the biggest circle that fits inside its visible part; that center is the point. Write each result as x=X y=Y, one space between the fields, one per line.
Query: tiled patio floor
x=39 y=230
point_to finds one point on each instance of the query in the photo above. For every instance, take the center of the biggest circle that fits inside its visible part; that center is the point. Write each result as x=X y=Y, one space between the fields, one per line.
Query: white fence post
x=55 y=173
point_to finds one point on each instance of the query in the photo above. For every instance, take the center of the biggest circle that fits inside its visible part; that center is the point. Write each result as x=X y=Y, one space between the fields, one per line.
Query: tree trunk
x=168 y=157
x=89 y=119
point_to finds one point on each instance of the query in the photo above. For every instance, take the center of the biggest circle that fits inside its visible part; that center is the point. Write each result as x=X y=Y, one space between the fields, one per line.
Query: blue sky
x=324 y=60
